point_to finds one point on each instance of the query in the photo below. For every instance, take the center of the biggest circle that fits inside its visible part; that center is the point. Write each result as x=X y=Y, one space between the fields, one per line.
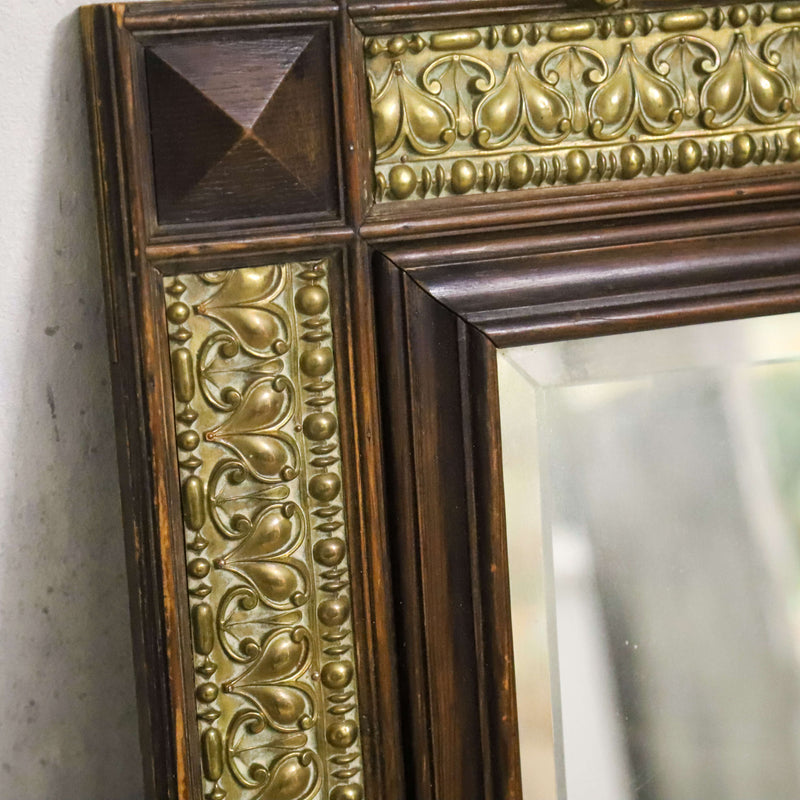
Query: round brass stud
x=199 y=567
x=577 y=166
x=689 y=155
x=207 y=693
x=188 y=440
x=520 y=170
x=329 y=552
x=631 y=161
x=402 y=181
x=396 y=46
x=463 y=176
x=178 y=313
x=311 y=300
x=337 y=674
x=334 y=611
x=743 y=149
x=512 y=35
x=341 y=734
x=324 y=487
x=351 y=791
x=793 y=145
x=319 y=426
x=738 y=16
x=316 y=363
x=626 y=26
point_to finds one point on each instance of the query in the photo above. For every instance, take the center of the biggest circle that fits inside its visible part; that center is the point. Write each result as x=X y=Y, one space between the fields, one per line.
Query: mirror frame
x=422 y=294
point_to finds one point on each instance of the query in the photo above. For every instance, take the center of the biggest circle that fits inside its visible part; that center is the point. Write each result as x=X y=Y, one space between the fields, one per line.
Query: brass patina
x=266 y=556
x=607 y=97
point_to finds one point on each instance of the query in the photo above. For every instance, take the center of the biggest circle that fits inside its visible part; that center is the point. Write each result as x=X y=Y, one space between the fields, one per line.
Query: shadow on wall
x=69 y=726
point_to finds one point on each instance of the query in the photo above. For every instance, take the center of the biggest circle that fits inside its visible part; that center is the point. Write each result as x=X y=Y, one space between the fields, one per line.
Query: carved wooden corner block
x=243 y=126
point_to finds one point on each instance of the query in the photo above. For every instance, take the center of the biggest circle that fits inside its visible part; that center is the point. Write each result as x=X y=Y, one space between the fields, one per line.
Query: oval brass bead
x=683 y=21
x=786 y=12
x=203 y=628
x=194 y=503
x=212 y=754
x=455 y=40
x=183 y=374
x=570 y=31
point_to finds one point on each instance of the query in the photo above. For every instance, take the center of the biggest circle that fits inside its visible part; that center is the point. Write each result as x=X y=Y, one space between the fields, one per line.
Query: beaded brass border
x=255 y=405
x=617 y=96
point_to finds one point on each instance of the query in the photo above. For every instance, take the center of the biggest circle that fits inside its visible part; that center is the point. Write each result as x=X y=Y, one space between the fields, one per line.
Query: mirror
x=652 y=487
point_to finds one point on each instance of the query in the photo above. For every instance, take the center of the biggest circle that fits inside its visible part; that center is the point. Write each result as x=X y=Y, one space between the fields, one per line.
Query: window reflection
x=653 y=493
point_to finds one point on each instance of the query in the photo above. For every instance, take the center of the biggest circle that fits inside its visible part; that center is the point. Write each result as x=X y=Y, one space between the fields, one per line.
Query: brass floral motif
x=521 y=103
x=615 y=96
x=266 y=557
x=745 y=83
x=634 y=93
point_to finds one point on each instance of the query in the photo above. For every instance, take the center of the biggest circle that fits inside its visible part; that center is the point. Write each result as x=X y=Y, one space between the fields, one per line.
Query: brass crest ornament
x=617 y=96
x=266 y=556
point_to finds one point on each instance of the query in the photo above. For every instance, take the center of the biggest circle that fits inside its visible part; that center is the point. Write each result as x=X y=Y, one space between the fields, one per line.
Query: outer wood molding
x=304 y=373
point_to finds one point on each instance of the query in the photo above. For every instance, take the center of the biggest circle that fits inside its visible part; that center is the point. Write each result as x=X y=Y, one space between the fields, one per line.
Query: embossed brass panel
x=266 y=557
x=617 y=96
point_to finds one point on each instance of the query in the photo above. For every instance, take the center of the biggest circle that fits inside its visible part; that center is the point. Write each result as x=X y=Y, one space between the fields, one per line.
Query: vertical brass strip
x=266 y=557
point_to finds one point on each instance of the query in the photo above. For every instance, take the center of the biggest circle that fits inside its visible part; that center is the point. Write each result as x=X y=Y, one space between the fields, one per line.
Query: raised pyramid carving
x=242 y=129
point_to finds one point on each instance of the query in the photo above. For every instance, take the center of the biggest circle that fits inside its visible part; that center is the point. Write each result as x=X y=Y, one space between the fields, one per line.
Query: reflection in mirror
x=653 y=503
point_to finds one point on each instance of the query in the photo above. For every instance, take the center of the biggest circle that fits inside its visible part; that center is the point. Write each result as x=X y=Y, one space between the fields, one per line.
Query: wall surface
x=68 y=726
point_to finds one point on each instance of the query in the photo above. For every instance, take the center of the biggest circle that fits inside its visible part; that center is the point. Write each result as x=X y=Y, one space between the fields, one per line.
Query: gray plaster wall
x=68 y=726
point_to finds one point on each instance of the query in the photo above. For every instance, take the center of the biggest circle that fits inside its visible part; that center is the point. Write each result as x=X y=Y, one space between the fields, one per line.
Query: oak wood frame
x=423 y=295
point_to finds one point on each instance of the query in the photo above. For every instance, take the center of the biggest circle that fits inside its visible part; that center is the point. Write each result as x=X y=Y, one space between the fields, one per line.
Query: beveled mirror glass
x=653 y=497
